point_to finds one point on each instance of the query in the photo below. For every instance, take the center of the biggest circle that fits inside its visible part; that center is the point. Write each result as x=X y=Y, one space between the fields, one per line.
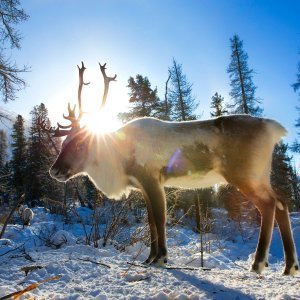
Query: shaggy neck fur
x=105 y=166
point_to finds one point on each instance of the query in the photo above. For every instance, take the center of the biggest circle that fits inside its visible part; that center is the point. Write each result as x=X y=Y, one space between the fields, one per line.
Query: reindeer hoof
x=291 y=270
x=258 y=267
x=160 y=261
x=148 y=261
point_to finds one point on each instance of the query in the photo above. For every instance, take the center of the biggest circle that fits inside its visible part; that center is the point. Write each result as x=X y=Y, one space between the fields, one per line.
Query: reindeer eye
x=80 y=146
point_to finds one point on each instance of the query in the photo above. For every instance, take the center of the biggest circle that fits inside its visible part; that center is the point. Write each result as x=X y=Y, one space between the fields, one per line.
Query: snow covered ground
x=104 y=273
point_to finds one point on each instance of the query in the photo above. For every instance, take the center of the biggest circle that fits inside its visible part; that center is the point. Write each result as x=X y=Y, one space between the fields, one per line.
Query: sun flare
x=100 y=122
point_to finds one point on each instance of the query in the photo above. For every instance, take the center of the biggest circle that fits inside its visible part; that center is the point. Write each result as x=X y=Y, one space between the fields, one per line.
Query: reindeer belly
x=195 y=180
x=191 y=167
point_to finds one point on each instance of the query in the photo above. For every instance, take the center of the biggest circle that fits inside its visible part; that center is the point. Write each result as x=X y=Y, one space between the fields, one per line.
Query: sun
x=101 y=122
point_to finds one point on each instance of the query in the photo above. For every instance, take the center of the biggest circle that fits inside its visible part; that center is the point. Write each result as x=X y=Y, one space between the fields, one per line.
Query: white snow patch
x=104 y=273
x=62 y=238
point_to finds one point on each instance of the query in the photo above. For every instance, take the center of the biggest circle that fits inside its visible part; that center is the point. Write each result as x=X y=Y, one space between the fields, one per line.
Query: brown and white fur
x=149 y=154
x=27 y=216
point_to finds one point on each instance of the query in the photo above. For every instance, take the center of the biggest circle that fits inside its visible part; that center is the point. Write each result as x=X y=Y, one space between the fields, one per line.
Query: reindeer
x=150 y=154
x=27 y=216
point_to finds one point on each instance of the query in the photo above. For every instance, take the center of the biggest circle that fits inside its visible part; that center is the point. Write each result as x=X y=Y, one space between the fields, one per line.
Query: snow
x=104 y=273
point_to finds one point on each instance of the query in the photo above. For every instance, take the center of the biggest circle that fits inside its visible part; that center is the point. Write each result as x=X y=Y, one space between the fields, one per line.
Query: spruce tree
x=296 y=87
x=283 y=176
x=183 y=104
x=40 y=157
x=3 y=148
x=217 y=106
x=19 y=156
x=143 y=98
x=242 y=86
x=4 y=167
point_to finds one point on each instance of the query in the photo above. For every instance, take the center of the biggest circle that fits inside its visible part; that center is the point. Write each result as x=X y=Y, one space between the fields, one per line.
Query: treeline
x=32 y=152
x=26 y=172
x=179 y=104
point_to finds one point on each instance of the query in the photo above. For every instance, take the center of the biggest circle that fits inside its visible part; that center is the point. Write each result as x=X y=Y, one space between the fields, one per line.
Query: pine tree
x=144 y=99
x=242 y=86
x=4 y=167
x=295 y=181
x=3 y=148
x=91 y=192
x=283 y=176
x=40 y=157
x=296 y=87
x=19 y=156
x=217 y=106
x=182 y=102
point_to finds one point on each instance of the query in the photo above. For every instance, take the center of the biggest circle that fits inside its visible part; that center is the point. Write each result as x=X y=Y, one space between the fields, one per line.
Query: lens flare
x=100 y=122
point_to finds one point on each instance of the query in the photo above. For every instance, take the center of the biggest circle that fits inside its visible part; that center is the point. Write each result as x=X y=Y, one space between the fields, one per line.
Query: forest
x=76 y=214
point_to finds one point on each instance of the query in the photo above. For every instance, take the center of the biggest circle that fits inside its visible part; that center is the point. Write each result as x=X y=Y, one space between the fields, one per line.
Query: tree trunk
x=21 y=199
x=199 y=227
x=244 y=98
x=180 y=94
x=197 y=208
x=166 y=98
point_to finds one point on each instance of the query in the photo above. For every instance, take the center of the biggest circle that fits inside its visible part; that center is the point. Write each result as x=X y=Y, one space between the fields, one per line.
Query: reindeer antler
x=81 y=83
x=107 y=80
x=55 y=132
x=63 y=130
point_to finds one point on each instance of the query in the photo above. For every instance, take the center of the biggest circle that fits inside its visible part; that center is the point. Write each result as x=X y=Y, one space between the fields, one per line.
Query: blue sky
x=139 y=36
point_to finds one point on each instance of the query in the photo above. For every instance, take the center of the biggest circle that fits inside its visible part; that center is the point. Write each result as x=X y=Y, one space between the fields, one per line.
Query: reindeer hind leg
x=267 y=211
x=290 y=254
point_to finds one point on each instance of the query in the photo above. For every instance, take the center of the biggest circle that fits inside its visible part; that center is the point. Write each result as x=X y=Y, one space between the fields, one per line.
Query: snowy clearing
x=104 y=273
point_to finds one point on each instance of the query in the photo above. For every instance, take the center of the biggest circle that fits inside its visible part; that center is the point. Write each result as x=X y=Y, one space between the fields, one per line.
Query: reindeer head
x=75 y=150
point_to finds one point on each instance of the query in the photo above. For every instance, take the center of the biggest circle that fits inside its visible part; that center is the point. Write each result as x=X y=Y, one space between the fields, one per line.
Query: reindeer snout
x=54 y=172
x=59 y=174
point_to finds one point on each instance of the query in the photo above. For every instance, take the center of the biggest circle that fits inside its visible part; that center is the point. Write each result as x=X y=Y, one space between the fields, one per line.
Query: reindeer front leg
x=153 y=232
x=156 y=205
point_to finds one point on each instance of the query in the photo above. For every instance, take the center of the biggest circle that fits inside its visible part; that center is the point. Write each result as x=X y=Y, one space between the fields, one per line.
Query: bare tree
x=11 y=14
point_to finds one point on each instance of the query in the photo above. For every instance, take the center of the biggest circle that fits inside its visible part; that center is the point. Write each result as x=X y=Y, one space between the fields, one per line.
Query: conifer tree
x=19 y=156
x=40 y=157
x=296 y=87
x=3 y=148
x=283 y=176
x=4 y=167
x=217 y=106
x=143 y=98
x=242 y=86
x=183 y=104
